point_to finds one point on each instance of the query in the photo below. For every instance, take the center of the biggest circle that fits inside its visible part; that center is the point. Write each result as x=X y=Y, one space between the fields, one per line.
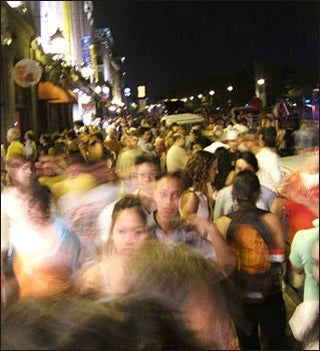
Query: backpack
x=250 y=241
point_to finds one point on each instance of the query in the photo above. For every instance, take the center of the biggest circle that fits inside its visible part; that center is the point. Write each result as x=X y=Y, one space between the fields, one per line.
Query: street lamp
x=200 y=96
x=211 y=93
x=230 y=88
x=260 y=81
x=58 y=43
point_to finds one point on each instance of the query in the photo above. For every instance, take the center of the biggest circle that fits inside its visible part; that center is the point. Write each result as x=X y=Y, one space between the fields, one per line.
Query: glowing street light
x=211 y=92
x=261 y=81
x=230 y=88
x=191 y=98
x=200 y=96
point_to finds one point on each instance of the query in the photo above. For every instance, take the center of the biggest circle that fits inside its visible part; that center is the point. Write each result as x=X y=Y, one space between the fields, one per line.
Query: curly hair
x=197 y=169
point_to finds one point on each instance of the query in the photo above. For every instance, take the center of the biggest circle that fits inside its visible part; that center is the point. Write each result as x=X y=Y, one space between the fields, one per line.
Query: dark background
x=179 y=45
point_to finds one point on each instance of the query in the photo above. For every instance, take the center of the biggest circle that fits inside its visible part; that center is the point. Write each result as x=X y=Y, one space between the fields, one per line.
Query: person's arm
x=189 y=204
x=224 y=256
x=276 y=231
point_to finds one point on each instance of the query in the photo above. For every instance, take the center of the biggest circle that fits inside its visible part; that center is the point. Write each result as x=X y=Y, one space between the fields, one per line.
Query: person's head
x=267 y=138
x=45 y=139
x=29 y=135
x=249 y=141
x=246 y=160
x=20 y=171
x=146 y=169
x=232 y=139
x=13 y=134
x=128 y=231
x=180 y=277
x=246 y=188
x=179 y=139
x=167 y=193
x=39 y=202
x=74 y=323
x=46 y=166
x=202 y=167
x=315 y=258
x=145 y=134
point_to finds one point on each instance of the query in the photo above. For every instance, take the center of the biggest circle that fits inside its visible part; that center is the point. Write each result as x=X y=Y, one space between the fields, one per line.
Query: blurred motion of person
x=128 y=233
x=225 y=203
x=193 y=285
x=302 y=261
x=46 y=251
x=30 y=146
x=305 y=321
x=167 y=225
x=15 y=148
x=128 y=323
x=177 y=156
x=256 y=277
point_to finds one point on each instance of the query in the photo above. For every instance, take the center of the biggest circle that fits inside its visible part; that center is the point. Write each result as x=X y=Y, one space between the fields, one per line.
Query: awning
x=55 y=94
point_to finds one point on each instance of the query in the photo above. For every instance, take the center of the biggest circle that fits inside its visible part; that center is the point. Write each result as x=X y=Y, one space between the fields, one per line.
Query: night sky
x=168 y=44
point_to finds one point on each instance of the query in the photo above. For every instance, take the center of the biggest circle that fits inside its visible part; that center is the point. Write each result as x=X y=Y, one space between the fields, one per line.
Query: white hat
x=232 y=134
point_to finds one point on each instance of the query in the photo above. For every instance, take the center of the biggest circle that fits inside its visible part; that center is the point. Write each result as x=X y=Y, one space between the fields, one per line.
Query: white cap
x=232 y=134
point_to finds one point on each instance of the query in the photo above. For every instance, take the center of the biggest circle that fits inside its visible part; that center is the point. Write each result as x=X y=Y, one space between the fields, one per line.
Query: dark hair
x=146 y=158
x=249 y=157
x=246 y=187
x=128 y=201
x=197 y=169
x=73 y=323
x=269 y=136
x=41 y=194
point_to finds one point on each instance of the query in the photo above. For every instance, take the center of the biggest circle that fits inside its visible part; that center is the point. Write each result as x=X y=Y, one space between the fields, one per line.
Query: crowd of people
x=138 y=235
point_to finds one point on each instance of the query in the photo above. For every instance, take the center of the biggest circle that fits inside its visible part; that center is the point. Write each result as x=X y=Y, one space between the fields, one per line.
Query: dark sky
x=168 y=44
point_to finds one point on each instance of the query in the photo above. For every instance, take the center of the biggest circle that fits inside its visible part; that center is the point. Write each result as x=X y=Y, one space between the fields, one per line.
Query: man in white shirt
x=177 y=156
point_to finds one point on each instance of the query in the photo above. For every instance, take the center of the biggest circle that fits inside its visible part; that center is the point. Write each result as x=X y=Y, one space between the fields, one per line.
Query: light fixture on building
x=58 y=43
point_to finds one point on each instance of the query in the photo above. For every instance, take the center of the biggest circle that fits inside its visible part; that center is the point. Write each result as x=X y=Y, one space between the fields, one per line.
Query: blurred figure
x=302 y=261
x=71 y=141
x=128 y=233
x=305 y=321
x=45 y=146
x=262 y=146
x=30 y=146
x=46 y=251
x=145 y=173
x=15 y=148
x=225 y=203
x=177 y=156
x=111 y=142
x=145 y=141
x=200 y=173
x=73 y=323
x=257 y=280
x=299 y=196
x=303 y=138
x=224 y=158
x=195 y=286
x=219 y=141
x=166 y=225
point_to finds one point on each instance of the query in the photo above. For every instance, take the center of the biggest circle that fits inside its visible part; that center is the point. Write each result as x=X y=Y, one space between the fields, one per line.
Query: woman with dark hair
x=225 y=204
x=200 y=172
x=128 y=233
x=256 y=238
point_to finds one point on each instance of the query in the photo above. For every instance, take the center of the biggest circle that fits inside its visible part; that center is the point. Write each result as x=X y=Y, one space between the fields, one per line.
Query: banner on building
x=27 y=73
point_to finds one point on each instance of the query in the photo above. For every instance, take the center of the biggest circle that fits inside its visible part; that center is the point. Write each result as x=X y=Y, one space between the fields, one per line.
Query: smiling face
x=129 y=232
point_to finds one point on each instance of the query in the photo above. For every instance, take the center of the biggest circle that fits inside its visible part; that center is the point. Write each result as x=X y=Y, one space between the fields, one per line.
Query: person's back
x=257 y=239
x=176 y=158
